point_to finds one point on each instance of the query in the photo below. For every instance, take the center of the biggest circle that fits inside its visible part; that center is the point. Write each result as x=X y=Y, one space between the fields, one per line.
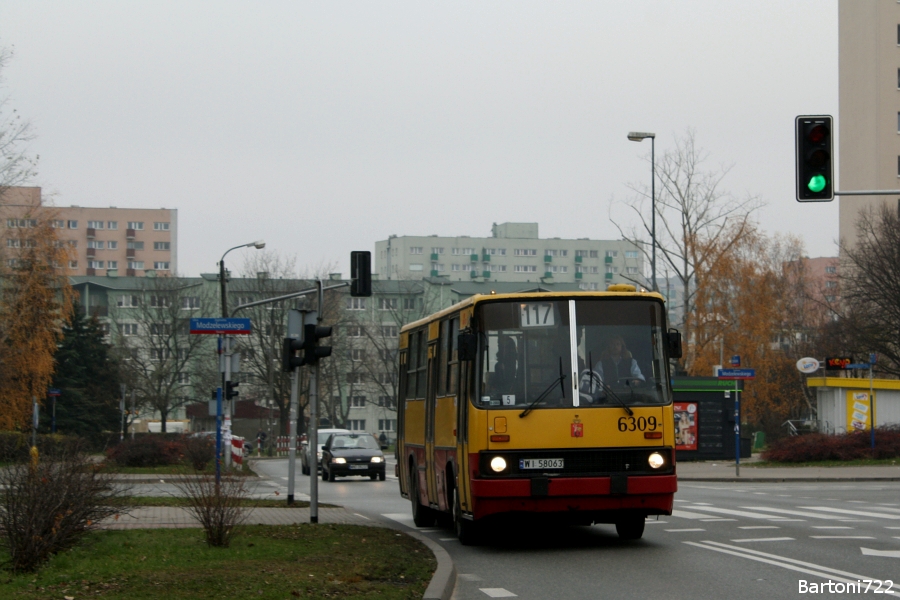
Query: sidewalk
x=725 y=471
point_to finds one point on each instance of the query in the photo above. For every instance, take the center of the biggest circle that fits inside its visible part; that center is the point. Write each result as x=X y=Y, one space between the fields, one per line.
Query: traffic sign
x=737 y=373
x=736 y=360
x=54 y=392
x=220 y=326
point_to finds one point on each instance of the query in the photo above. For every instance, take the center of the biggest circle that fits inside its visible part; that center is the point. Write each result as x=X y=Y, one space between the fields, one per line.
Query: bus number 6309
x=637 y=424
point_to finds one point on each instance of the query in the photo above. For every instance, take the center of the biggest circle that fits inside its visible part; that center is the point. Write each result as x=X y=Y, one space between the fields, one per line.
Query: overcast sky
x=323 y=127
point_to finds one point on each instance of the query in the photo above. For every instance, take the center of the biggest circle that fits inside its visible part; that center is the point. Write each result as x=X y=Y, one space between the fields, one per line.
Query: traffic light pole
x=314 y=420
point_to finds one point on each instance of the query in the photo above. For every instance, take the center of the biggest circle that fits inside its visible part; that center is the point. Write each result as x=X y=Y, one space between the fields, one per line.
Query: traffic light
x=815 y=176
x=289 y=360
x=230 y=392
x=312 y=351
x=360 y=273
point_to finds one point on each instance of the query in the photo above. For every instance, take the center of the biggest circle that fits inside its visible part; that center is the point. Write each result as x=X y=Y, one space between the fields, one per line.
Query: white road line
x=655 y=522
x=716 y=520
x=892 y=527
x=830 y=527
x=498 y=593
x=363 y=516
x=842 y=511
x=842 y=537
x=857 y=502
x=778 y=539
x=760 y=527
x=684 y=514
x=786 y=511
x=683 y=530
x=885 y=553
x=784 y=562
x=738 y=513
x=702 y=504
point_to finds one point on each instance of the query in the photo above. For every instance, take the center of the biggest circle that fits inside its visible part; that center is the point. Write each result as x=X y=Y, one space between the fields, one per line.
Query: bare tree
x=167 y=366
x=694 y=216
x=870 y=288
x=17 y=166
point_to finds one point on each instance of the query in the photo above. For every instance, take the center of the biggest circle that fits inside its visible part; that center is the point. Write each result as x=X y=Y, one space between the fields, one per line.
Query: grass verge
x=264 y=561
x=179 y=469
x=180 y=501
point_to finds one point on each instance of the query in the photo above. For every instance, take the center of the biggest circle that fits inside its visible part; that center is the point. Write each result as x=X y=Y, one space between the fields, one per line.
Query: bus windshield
x=586 y=352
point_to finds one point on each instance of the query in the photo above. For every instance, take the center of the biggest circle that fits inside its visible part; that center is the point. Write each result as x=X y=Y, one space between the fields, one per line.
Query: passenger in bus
x=616 y=365
x=503 y=380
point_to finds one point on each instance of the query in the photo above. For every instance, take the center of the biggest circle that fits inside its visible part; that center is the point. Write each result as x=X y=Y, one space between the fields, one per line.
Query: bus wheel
x=466 y=531
x=423 y=516
x=631 y=527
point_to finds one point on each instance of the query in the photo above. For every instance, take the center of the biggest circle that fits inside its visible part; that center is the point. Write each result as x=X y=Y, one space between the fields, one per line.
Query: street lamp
x=222 y=283
x=639 y=136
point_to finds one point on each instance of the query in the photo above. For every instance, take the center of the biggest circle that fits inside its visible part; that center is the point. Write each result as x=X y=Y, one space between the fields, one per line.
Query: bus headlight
x=656 y=460
x=498 y=464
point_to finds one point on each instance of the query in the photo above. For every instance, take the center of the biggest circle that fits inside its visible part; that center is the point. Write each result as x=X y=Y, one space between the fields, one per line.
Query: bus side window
x=411 y=355
x=453 y=356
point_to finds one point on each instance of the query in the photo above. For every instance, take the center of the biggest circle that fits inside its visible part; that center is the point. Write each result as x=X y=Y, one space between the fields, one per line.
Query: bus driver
x=616 y=364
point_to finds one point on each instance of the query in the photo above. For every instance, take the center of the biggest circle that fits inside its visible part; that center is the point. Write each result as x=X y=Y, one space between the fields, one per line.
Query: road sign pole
x=871 y=404
x=314 y=414
x=737 y=431
x=122 y=410
x=218 y=436
x=292 y=444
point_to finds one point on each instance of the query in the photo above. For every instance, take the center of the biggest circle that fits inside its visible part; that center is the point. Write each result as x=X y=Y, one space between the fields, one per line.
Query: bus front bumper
x=651 y=494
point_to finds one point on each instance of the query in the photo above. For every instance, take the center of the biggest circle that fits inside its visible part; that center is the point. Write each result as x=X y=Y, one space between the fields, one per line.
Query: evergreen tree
x=87 y=376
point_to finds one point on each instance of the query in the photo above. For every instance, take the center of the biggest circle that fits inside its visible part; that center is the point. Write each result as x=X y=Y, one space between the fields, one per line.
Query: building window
x=112 y=264
x=415 y=249
x=160 y=226
x=190 y=302
x=112 y=225
x=183 y=378
x=161 y=245
x=612 y=253
x=587 y=286
x=831 y=284
x=437 y=267
x=389 y=331
x=437 y=250
x=95 y=264
x=136 y=264
x=497 y=268
x=58 y=224
x=831 y=270
x=161 y=266
x=160 y=329
x=415 y=267
x=73 y=224
x=356 y=424
x=557 y=269
x=387 y=402
x=160 y=301
x=354 y=331
x=612 y=269
x=97 y=244
x=128 y=329
x=357 y=354
x=95 y=224
x=356 y=377
x=112 y=245
x=13 y=243
x=829 y=298
x=387 y=304
x=357 y=401
x=631 y=270
x=525 y=252
x=135 y=245
x=128 y=301
x=595 y=253
x=526 y=268
x=387 y=424
x=631 y=254
x=356 y=303
x=495 y=251
x=136 y=225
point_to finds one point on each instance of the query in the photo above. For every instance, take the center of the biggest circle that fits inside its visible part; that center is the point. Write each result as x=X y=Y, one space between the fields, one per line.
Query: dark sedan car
x=352 y=454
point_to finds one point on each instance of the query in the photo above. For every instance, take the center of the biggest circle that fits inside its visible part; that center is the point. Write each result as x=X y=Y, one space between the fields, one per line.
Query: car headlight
x=656 y=460
x=498 y=464
x=377 y=459
x=319 y=455
x=339 y=461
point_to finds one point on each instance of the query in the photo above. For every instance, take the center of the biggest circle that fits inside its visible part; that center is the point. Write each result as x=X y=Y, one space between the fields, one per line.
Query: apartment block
x=869 y=96
x=513 y=253
x=103 y=241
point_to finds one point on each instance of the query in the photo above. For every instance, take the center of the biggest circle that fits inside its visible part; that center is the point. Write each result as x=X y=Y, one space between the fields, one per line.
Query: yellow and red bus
x=554 y=403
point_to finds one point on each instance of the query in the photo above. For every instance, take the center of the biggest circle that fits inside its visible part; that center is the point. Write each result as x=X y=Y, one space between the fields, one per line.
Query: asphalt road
x=725 y=540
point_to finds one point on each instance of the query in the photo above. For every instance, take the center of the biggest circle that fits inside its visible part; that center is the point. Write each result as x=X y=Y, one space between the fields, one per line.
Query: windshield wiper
x=559 y=380
x=607 y=389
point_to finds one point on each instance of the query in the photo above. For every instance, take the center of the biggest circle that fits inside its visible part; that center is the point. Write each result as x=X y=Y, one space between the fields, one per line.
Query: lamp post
x=222 y=281
x=639 y=136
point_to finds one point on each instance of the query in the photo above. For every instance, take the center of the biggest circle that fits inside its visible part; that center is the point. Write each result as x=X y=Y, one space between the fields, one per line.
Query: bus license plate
x=541 y=463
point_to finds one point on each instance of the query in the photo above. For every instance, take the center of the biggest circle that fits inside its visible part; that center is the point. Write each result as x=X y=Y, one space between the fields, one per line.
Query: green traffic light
x=817 y=183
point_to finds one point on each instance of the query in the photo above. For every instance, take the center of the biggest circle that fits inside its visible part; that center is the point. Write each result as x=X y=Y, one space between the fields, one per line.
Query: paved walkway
x=725 y=471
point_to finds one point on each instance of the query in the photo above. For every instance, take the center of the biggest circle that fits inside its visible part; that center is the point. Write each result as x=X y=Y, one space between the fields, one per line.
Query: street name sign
x=220 y=326
x=737 y=373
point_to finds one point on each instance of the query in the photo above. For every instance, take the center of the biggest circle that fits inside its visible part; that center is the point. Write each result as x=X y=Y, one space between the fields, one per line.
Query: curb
x=787 y=479
x=444 y=579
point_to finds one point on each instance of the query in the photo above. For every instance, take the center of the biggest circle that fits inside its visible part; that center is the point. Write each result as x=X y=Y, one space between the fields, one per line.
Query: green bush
x=148 y=450
x=15 y=446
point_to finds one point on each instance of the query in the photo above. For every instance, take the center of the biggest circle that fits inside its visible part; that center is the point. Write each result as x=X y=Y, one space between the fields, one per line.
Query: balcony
x=95 y=311
x=579 y=259
x=486 y=274
x=130 y=273
x=434 y=256
x=129 y=253
x=474 y=258
x=91 y=233
x=486 y=257
x=608 y=260
x=129 y=233
x=548 y=274
x=548 y=259
x=90 y=271
x=608 y=276
x=473 y=274
x=91 y=252
x=434 y=273
x=579 y=275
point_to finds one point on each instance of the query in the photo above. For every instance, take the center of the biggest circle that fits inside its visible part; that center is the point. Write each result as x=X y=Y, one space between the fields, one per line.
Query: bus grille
x=600 y=462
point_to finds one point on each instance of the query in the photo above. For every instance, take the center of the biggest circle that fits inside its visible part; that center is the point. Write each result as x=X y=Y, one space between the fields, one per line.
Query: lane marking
x=739 y=513
x=684 y=514
x=498 y=593
x=655 y=522
x=842 y=537
x=786 y=511
x=683 y=530
x=448 y=539
x=831 y=527
x=363 y=516
x=469 y=577
x=778 y=539
x=716 y=520
x=760 y=527
x=842 y=511
x=885 y=553
x=892 y=527
x=784 y=562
